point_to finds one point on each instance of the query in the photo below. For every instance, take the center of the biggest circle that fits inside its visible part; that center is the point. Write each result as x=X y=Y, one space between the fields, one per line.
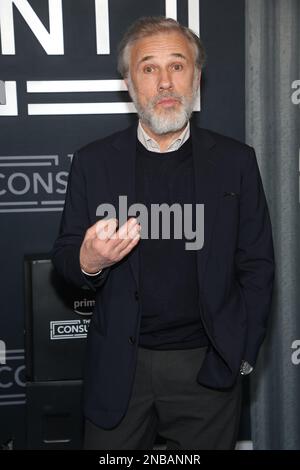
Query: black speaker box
x=56 y=323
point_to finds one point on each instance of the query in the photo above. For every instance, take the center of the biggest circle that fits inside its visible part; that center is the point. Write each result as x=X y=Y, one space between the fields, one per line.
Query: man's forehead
x=170 y=43
x=175 y=55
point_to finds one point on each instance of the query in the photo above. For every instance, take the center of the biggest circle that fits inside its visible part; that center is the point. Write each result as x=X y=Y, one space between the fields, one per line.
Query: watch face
x=245 y=368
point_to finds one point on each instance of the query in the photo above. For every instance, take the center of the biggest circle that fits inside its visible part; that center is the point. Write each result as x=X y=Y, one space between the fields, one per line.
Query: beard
x=169 y=119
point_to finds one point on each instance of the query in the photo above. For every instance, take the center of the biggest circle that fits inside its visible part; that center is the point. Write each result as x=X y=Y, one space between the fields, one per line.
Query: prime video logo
x=160 y=217
x=84 y=306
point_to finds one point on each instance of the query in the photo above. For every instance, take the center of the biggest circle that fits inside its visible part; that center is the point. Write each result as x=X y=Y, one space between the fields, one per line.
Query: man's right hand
x=104 y=246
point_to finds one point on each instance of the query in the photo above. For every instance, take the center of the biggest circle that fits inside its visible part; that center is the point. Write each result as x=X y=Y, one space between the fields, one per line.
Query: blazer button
x=131 y=339
x=136 y=295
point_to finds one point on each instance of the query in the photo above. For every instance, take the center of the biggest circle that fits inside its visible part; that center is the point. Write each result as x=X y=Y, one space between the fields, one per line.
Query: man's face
x=163 y=81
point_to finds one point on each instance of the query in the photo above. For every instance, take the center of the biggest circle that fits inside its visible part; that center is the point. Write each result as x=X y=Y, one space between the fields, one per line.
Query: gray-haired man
x=173 y=329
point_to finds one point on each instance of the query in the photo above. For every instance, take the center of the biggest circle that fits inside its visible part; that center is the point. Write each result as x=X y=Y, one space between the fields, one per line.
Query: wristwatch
x=245 y=368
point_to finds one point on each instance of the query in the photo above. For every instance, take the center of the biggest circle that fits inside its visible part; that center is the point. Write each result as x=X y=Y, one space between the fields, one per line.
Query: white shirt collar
x=153 y=146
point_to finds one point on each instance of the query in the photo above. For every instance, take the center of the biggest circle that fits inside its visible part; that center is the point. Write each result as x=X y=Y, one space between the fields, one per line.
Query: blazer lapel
x=122 y=180
x=207 y=190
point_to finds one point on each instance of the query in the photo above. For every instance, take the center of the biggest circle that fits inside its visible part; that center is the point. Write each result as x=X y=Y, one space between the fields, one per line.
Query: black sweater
x=168 y=272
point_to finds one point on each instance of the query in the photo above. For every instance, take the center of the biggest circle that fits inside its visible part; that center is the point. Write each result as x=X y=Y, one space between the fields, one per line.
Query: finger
x=136 y=229
x=105 y=229
x=108 y=231
x=132 y=232
x=121 y=242
x=124 y=230
x=97 y=227
x=130 y=245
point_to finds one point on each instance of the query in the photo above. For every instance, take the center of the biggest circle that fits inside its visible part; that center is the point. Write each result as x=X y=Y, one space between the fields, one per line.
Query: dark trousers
x=167 y=399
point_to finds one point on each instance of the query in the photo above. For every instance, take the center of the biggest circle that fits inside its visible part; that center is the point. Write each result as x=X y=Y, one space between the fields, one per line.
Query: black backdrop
x=31 y=195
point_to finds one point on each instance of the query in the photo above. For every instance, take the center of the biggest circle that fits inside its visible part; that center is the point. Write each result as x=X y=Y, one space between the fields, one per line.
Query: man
x=173 y=329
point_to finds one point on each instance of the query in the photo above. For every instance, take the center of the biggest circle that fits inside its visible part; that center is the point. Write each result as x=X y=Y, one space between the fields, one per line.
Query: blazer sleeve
x=254 y=258
x=74 y=223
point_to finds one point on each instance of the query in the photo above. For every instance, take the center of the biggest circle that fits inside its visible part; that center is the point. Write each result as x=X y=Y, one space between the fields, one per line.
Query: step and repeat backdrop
x=59 y=89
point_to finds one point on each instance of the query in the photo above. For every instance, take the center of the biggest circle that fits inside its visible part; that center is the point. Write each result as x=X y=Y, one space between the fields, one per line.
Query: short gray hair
x=148 y=26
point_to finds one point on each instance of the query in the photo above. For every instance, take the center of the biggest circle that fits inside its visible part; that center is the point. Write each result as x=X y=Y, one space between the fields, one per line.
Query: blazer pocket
x=229 y=212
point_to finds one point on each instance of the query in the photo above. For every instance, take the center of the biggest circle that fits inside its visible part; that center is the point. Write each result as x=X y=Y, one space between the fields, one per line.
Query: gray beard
x=169 y=120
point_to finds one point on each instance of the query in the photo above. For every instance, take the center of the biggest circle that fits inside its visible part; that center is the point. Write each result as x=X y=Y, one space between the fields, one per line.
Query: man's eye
x=177 y=67
x=148 y=69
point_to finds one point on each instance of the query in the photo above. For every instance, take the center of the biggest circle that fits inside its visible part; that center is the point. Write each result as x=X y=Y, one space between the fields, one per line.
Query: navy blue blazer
x=235 y=265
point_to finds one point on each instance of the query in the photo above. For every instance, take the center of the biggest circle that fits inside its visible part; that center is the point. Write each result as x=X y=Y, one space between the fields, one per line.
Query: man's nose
x=165 y=80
